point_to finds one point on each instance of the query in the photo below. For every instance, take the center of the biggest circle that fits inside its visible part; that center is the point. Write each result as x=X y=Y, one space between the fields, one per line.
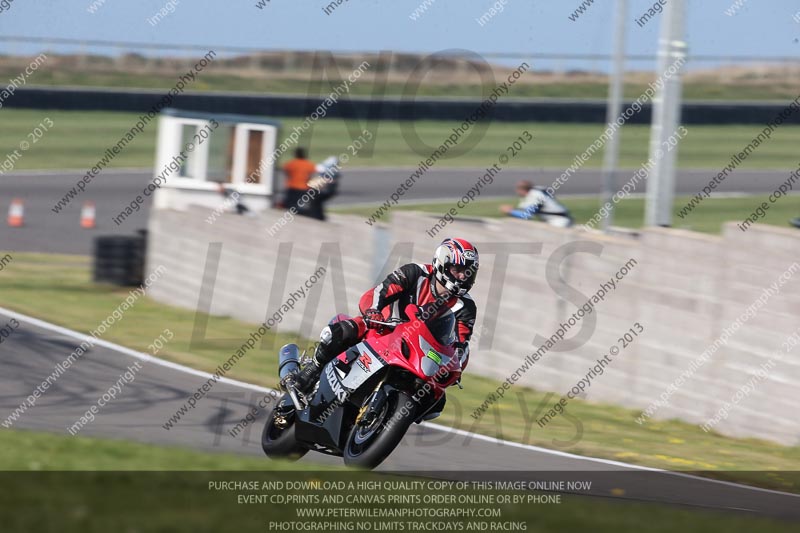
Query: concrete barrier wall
x=685 y=289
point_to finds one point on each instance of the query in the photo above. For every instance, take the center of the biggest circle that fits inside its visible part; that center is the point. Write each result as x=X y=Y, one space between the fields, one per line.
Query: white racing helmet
x=457 y=252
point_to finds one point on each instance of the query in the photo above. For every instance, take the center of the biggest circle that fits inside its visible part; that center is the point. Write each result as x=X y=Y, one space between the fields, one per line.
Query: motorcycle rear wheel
x=367 y=447
x=280 y=442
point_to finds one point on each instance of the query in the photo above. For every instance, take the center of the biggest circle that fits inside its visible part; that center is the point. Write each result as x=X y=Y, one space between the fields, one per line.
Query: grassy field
x=79 y=139
x=57 y=289
x=34 y=451
x=628 y=213
x=539 y=86
x=149 y=486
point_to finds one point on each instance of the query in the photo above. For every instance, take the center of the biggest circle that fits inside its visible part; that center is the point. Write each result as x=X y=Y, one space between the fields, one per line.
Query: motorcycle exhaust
x=288 y=360
x=288 y=363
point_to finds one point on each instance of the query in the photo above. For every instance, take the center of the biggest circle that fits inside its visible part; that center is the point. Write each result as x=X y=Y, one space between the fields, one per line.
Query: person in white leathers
x=537 y=202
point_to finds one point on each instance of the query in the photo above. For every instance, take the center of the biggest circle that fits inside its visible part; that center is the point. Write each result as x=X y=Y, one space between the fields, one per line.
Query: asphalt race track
x=30 y=354
x=47 y=231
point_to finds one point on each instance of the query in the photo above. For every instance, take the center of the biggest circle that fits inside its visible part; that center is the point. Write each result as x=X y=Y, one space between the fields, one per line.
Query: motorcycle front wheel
x=368 y=445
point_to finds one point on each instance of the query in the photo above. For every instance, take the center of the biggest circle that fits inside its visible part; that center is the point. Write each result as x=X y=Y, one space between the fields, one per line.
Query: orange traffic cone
x=16 y=213
x=87 y=215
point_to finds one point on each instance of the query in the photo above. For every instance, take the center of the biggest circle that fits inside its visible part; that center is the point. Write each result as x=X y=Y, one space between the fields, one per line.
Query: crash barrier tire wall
x=119 y=259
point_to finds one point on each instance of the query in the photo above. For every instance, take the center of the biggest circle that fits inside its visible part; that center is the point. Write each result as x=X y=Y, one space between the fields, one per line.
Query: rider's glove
x=370 y=315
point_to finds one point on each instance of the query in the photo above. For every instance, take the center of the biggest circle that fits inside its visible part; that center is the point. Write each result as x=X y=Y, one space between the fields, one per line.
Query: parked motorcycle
x=368 y=396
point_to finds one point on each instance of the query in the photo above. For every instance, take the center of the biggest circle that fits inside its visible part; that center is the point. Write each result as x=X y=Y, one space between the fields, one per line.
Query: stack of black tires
x=119 y=259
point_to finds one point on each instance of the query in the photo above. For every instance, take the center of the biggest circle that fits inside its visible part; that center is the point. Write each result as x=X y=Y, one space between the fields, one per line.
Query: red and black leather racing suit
x=409 y=284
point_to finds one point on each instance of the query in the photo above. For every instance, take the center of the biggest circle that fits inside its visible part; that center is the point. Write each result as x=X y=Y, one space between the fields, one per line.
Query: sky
x=762 y=28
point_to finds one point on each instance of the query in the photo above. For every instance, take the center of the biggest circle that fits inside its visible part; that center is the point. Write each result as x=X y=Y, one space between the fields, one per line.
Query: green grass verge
x=35 y=451
x=167 y=489
x=629 y=213
x=58 y=289
x=79 y=139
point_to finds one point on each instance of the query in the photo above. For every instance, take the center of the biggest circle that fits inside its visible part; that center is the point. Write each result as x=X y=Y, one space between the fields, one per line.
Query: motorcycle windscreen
x=443 y=328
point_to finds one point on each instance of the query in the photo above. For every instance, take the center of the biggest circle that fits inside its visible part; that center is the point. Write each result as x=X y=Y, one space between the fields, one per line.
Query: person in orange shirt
x=298 y=171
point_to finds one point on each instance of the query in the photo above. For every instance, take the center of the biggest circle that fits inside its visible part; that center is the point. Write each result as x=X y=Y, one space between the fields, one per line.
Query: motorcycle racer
x=441 y=286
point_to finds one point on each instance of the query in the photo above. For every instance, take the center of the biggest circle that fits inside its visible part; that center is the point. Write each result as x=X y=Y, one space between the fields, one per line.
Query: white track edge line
x=127 y=351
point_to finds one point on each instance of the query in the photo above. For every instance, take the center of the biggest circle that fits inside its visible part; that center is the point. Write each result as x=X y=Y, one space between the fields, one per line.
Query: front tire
x=280 y=442
x=367 y=447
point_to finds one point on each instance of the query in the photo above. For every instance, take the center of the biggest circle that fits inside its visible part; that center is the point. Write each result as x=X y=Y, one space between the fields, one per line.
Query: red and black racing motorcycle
x=368 y=396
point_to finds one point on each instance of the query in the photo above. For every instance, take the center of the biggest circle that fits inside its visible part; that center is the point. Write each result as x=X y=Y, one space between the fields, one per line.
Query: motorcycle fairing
x=321 y=421
x=367 y=364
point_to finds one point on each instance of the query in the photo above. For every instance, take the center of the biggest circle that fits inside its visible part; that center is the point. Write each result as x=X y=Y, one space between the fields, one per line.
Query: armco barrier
x=390 y=108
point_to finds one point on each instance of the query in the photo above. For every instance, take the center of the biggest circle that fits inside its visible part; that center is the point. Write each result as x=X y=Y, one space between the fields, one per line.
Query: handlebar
x=391 y=322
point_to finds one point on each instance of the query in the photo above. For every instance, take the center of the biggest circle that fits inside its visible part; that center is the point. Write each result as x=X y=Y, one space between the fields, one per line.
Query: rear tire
x=369 y=447
x=281 y=443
